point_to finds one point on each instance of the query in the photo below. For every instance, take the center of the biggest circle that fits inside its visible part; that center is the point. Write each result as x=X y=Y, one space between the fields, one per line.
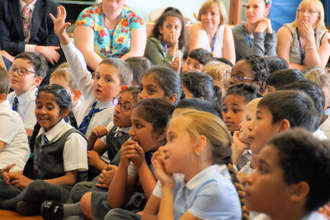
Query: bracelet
x=309 y=47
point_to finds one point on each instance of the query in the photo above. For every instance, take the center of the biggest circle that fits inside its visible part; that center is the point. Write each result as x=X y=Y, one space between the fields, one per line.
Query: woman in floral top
x=109 y=29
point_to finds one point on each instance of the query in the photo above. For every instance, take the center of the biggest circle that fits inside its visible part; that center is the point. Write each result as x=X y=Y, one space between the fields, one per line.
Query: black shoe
x=51 y=210
x=27 y=209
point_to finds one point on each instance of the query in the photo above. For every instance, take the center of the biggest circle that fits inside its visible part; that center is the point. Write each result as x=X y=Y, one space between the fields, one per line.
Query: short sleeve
x=157 y=190
x=136 y=19
x=30 y=120
x=75 y=153
x=9 y=131
x=87 y=18
x=131 y=170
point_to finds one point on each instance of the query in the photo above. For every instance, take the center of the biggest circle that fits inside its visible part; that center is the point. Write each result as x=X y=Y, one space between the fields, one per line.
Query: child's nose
x=141 y=95
x=232 y=81
x=131 y=132
x=118 y=108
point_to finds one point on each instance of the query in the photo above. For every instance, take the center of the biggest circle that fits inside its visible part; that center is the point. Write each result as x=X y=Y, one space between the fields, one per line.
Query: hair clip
x=31 y=155
x=268 y=3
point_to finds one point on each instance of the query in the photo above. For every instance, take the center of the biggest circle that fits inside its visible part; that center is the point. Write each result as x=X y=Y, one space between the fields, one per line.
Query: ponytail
x=70 y=118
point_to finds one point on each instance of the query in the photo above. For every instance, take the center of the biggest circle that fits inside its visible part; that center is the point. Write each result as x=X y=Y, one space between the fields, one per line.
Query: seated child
x=63 y=76
x=196 y=60
x=282 y=77
x=58 y=157
x=223 y=60
x=26 y=74
x=14 y=147
x=297 y=186
x=235 y=102
x=275 y=63
x=220 y=72
x=139 y=65
x=200 y=85
x=198 y=147
x=197 y=104
x=251 y=69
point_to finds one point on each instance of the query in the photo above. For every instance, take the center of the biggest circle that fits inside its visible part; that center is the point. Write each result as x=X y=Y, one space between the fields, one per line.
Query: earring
x=197 y=152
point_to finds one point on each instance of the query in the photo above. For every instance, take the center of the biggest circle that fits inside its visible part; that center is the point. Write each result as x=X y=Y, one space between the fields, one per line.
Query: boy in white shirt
x=26 y=73
x=14 y=147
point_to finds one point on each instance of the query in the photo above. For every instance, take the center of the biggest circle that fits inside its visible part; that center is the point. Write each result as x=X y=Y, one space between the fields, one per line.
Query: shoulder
x=239 y=27
x=325 y=37
x=92 y=10
x=284 y=32
x=51 y=4
x=196 y=28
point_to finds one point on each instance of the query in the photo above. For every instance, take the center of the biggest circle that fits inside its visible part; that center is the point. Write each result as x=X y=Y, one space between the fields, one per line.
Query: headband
x=268 y=3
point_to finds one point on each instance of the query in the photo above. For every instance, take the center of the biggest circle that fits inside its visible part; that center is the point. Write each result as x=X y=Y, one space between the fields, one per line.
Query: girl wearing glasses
x=304 y=43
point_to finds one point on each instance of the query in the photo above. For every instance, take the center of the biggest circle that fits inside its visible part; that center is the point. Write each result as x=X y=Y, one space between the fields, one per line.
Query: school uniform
x=318 y=133
x=12 y=133
x=325 y=127
x=25 y=107
x=76 y=110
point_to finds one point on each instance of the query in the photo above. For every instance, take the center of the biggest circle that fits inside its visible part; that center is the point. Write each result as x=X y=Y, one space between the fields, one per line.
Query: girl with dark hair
x=58 y=157
x=168 y=37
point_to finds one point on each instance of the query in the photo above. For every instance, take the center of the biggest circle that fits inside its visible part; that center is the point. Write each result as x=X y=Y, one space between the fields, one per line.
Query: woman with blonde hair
x=211 y=33
x=304 y=43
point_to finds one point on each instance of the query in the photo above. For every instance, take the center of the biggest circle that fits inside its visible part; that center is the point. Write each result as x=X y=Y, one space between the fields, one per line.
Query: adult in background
x=255 y=36
x=211 y=33
x=304 y=43
x=25 y=26
x=109 y=29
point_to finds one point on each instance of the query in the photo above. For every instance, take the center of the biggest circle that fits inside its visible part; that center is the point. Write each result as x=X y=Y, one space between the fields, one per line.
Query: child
x=63 y=76
x=251 y=69
x=275 y=63
x=297 y=186
x=14 y=147
x=111 y=77
x=168 y=36
x=58 y=155
x=282 y=77
x=235 y=102
x=139 y=65
x=196 y=60
x=197 y=104
x=161 y=82
x=220 y=72
x=198 y=146
x=26 y=73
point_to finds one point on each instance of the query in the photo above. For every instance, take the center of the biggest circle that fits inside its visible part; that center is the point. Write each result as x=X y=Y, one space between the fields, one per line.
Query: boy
x=282 y=77
x=63 y=76
x=196 y=60
x=14 y=148
x=275 y=63
x=26 y=73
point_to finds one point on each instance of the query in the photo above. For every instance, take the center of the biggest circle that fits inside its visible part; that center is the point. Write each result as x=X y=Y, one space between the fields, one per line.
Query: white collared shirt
x=26 y=107
x=325 y=127
x=32 y=5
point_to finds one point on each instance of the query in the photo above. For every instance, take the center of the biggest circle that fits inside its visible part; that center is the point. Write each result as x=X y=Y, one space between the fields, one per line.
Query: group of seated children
x=214 y=142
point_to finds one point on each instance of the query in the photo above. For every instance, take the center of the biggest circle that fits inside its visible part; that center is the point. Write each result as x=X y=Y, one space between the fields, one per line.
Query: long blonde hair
x=211 y=3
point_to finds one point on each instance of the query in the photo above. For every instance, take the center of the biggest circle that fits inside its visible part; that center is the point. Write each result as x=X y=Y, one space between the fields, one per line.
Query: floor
x=9 y=215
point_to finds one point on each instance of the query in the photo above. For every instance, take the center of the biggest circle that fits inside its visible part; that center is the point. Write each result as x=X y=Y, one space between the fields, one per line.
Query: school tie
x=26 y=16
x=84 y=124
x=14 y=104
x=46 y=141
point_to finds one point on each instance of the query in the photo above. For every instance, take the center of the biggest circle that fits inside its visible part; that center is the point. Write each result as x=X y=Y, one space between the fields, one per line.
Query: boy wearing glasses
x=26 y=73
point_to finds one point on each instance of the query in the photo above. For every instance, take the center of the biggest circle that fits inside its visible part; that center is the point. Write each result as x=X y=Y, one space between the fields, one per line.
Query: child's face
x=250 y=116
x=189 y=95
x=106 y=83
x=233 y=111
x=47 y=111
x=179 y=151
x=192 y=65
x=62 y=82
x=261 y=130
x=143 y=132
x=149 y=88
x=171 y=26
x=242 y=69
x=269 y=89
x=122 y=114
x=22 y=84
x=267 y=183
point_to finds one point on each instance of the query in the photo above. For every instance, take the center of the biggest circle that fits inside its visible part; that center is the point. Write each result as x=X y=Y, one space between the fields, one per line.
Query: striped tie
x=15 y=104
x=85 y=123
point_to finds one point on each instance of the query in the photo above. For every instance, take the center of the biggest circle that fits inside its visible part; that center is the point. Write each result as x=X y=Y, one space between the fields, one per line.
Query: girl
x=251 y=69
x=167 y=38
x=255 y=36
x=296 y=185
x=197 y=104
x=200 y=85
x=198 y=146
x=149 y=119
x=161 y=82
x=235 y=102
x=58 y=155
x=139 y=66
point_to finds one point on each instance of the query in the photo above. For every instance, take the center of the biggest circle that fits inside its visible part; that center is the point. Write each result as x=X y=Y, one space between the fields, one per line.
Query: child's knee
x=85 y=204
x=37 y=186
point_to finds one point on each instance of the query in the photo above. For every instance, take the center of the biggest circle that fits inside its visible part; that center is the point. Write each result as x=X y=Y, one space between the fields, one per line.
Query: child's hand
x=325 y=210
x=19 y=180
x=106 y=176
x=5 y=173
x=171 y=39
x=138 y=159
x=93 y=158
x=237 y=148
x=165 y=178
x=176 y=64
x=60 y=25
x=126 y=152
x=98 y=132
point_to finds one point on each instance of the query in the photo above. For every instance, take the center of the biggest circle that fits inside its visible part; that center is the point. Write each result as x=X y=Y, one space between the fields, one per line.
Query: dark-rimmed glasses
x=20 y=71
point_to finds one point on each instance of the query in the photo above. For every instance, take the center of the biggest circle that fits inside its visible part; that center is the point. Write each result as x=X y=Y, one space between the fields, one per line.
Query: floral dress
x=111 y=42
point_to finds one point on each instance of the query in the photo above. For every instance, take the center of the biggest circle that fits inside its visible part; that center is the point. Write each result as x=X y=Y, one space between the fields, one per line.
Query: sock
x=72 y=209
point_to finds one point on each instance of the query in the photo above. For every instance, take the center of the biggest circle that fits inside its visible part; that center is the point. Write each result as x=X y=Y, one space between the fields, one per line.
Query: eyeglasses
x=21 y=71
x=309 y=11
x=123 y=107
x=240 y=78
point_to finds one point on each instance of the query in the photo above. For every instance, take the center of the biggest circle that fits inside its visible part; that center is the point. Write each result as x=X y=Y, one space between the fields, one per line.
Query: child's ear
x=284 y=125
x=160 y=29
x=173 y=98
x=37 y=80
x=161 y=136
x=201 y=145
x=65 y=112
x=2 y=97
x=123 y=87
x=77 y=95
x=300 y=192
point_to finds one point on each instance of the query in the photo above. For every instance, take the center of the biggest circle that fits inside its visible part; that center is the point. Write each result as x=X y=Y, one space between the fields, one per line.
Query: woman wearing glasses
x=255 y=36
x=304 y=42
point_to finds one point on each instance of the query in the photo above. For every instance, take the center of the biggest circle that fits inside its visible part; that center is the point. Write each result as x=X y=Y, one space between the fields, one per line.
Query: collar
x=53 y=133
x=24 y=97
x=126 y=130
x=200 y=177
x=5 y=103
x=31 y=5
x=102 y=105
